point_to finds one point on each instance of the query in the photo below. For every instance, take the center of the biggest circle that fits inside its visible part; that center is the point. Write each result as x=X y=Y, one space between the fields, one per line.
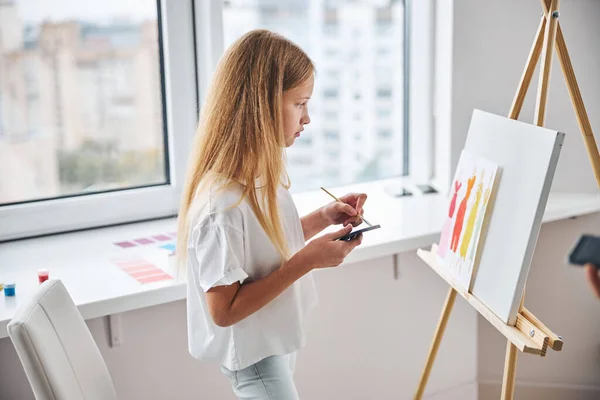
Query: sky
x=35 y=11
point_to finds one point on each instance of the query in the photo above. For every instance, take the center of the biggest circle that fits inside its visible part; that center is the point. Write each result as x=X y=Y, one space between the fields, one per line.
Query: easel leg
x=576 y=99
x=437 y=339
x=510 y=369
x=532 y=60
x=548 y=28
x=549 y=38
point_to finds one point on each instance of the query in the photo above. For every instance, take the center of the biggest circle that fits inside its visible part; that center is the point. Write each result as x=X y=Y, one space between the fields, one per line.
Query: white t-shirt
x=229 y=246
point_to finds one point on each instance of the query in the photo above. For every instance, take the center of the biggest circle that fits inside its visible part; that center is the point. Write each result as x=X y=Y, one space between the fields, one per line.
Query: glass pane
x=357 y=110
x=80 y=98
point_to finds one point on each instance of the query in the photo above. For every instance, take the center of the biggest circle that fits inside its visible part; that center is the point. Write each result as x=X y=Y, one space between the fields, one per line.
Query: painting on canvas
x=471 y=190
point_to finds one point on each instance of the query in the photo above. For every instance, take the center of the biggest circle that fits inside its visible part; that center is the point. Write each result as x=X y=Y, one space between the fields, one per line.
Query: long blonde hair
x=240 y=135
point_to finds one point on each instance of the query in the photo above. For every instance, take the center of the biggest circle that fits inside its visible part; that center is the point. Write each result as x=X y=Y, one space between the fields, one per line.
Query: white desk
x=99 y=288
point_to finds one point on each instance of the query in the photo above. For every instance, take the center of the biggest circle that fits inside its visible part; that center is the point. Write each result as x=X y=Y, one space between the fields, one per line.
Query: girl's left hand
x=593 y=277
x=348 y=212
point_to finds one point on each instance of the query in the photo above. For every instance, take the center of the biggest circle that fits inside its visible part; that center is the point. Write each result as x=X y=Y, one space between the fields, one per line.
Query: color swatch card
x=170 y=247
x=472 y=187
x=140 y=269
x=158 y=239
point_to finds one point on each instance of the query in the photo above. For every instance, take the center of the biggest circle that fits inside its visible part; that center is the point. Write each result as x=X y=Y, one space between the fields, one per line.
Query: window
x=332 y=75
x=384 y=113
x=330 y=22
x=100 y=135
x=330 y=93
x=384 y=93
x=84 y=121
x=102 y=123
x=332 y=135
x=333 y=153
x=383 y=51
x=331 y=115
x=303 y=160
x=384 y=76
x=384 y=21
x=331 y=53
x=305 y=141
x=370 y=25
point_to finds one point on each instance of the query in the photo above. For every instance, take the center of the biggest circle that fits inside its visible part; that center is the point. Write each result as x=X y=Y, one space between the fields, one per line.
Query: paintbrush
x=338 y=200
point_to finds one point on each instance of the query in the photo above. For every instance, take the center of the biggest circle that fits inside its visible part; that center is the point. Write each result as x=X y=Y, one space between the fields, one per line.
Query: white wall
x=491 y=42
x=368 y=339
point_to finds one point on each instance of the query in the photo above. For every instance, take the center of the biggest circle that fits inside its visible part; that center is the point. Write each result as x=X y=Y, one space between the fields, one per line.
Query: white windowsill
x=99 y=288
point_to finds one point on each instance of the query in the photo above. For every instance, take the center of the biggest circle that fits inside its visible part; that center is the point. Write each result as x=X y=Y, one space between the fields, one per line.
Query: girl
x=240 y=237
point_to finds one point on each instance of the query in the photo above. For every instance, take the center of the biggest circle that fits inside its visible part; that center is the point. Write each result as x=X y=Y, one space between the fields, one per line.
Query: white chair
x=57 y=350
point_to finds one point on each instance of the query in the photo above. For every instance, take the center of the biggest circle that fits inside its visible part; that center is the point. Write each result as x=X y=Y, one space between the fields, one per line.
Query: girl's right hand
x=325 y=251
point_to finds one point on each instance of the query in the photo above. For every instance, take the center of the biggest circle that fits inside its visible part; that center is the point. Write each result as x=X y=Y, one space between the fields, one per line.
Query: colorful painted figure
x=468 y=232
x=445 y=236
x=460 y=216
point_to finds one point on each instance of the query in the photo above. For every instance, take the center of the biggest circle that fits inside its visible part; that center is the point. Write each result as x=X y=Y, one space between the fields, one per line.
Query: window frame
x=420 y=74
x=192 y=43
x=83 y=211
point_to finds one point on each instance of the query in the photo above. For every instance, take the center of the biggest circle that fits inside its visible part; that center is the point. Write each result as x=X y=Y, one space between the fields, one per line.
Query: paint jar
x=9 y=289
x=43 y=275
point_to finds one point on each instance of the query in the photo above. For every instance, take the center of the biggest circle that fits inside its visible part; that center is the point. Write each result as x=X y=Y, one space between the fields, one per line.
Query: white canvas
x=528 y=155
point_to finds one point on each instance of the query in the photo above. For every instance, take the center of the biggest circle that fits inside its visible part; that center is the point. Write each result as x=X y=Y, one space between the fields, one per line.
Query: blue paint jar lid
x=9 y=290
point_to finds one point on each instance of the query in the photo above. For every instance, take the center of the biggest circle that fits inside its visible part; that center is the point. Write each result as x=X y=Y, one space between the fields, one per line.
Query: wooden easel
x=529 y=335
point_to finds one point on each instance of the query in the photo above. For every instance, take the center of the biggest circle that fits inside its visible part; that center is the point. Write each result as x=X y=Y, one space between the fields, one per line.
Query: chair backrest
x=57 y=350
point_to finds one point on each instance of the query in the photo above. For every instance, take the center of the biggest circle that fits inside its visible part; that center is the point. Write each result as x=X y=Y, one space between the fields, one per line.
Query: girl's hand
x=593 y=277
x=348 y=212
x=325 y=251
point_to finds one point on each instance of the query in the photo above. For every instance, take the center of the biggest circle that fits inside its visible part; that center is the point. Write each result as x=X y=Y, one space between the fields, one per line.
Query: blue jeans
x=269 y=379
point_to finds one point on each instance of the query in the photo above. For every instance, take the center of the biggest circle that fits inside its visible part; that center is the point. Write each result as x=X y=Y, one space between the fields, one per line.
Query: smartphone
x=587 y=250
x=354 y=234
